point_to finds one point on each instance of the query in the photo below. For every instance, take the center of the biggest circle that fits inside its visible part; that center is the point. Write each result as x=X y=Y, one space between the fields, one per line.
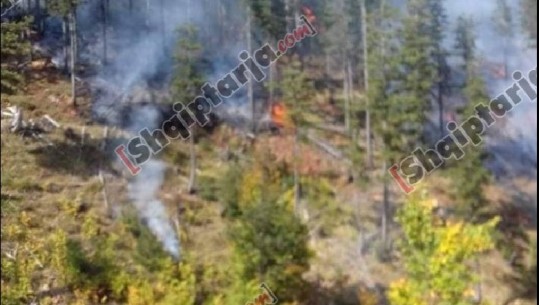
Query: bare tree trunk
x=37 y=14
x=65 y=29
x=385 y=207
x=73 y=57
x=272 y=85
x=385 y=223
x=346 y=97
x=163 y=25
x=287 y=14
x=193 y=165
x=250 y=96
x=327 y=66
x=221 y=22
x=350 y=76
x=104 y=7
x=296 y=173
x=478 y=286
x=366 y=83
x=440 y=98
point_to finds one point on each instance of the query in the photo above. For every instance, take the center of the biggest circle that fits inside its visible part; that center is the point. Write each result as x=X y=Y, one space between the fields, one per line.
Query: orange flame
x=279 y=115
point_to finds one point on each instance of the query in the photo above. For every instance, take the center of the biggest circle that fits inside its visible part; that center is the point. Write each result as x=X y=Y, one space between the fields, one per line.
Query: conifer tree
x=297 y=93
x=468 y=192
x=15 y=52
x=503 y=24
x=67 y=9
x=187 y=82
x=270 y=242
x=529 y=20
x=386 y=116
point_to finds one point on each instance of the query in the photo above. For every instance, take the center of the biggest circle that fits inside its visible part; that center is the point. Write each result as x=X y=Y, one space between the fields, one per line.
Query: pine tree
x=187 y=82
x=465 y=42
x=270 y=246
x=68 y=10
x=296 y=93
x=269 y=16
x=15 y=52
x=414 y=79
x=438 y=22
x=386 y=117
x=529 y=20
x=503 y=24
x=468 y=192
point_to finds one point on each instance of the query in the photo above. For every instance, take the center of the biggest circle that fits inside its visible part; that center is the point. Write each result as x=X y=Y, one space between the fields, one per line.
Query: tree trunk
x=366 y=83
x=163 y=25
x=221 y=22
x=297 y=194
x=65 y=30
x=440 y=98
x=350 y=94
x=385 y=208
x=37 y=13
x=250 y=90
x=104 y=7
x=73 y=57
x=346 y=97
x=478 y=286
x=272 y=85
x=193 y=165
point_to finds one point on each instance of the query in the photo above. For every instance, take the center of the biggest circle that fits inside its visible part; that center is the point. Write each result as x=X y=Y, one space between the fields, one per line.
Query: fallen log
x=328 y=148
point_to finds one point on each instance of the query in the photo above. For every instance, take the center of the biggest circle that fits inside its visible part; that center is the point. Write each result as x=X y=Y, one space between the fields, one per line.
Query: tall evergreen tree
x=438 y=22
x=468 y=193
x=187 y=82
x=297 y=92
x=503 y=24
x=67 y=9
x=465 y=42
x=15 y=52
x=529 y=20
x=386 y=117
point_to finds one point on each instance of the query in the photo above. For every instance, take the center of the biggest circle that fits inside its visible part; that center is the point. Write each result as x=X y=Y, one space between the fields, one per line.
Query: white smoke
x=143 y=190
x=513 y=142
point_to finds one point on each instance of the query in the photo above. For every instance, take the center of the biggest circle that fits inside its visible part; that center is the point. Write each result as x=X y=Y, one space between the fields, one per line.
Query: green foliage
x=297 y=91
x=270 y=243
x=187 y=76
x=15 y=51
x=325 y=212
x=524 y=282
x=468 y=193
x=269 y=15
x=61 y=7
x=18 y=261
x=417 y=73
x=229 y=189
x=465 y=41
x=102 y=273
x=436 y=256
x=529 y=20
x=383 y=52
